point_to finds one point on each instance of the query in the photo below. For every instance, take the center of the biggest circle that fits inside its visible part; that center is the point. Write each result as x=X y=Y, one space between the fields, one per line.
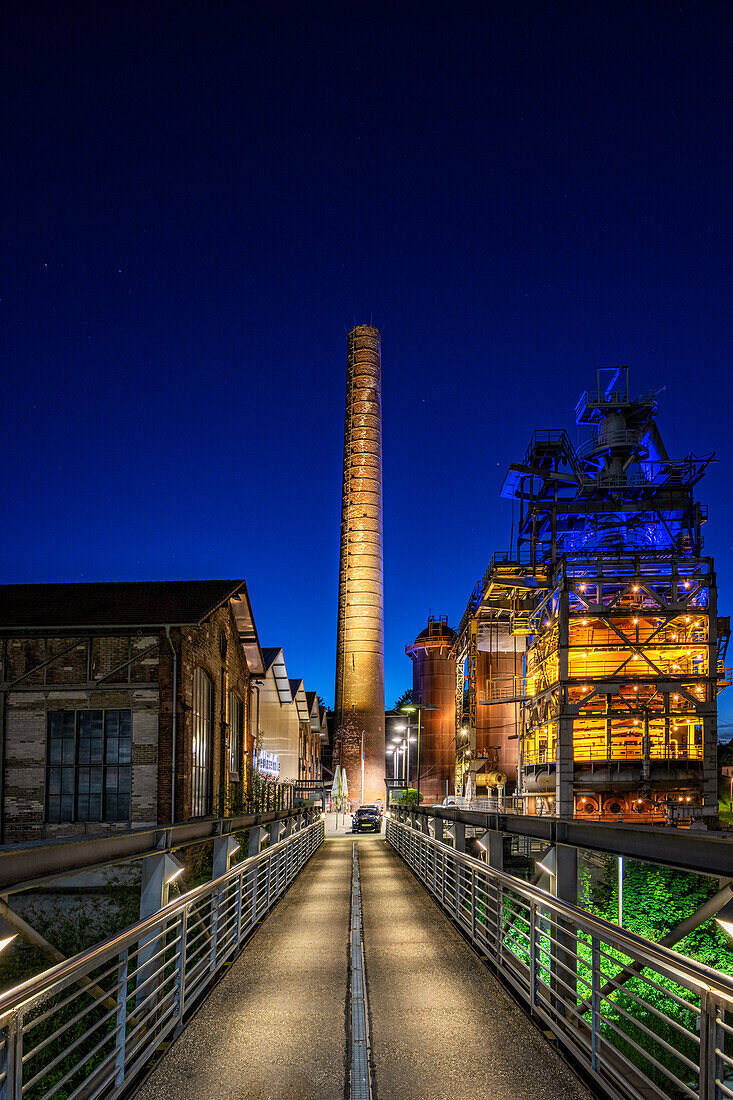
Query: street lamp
x=410 y=709
x=397 y=748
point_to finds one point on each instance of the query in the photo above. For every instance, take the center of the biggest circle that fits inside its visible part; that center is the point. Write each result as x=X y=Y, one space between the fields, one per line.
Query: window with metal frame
x=236 y=733
x=203 y=699
x=89 y=772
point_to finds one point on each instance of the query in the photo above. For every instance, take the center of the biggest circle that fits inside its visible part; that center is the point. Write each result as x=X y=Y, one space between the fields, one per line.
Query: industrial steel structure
x=591 y=654
x=359 y=710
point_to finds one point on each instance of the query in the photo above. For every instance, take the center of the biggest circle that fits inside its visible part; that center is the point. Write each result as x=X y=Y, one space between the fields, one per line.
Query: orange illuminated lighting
x=688 y=799
x=636 y=588
x=697 y=624
x=687 y=584
x=689 y=651
x=636 y=721
x=585 y=654
x=687 y=619
x=585 y=622
x=675 y=696
x=636 y=656
x=680 y=798
x=636 y=622
x=674 y=637
x=582 y=800
x=639 y=801
x=581 y=588
x=636 y=688
x=547 y=622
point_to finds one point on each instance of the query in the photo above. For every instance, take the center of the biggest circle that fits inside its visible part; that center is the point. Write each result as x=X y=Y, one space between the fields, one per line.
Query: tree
x=404 y=700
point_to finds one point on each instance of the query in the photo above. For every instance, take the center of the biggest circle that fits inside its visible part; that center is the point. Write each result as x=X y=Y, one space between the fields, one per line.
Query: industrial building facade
x=133 y=704
x=590 y=656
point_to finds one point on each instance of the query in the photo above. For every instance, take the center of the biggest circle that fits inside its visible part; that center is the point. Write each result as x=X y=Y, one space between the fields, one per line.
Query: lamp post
x=410 y=709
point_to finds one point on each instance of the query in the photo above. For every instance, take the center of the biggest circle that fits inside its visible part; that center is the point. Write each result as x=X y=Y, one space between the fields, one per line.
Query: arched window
x=201 y=745
x=236 y=733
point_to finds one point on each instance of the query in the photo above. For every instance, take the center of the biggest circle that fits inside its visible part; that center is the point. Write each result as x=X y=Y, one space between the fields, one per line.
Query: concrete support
x=564 y=954
x=256 y=836
x=159 y=871
x=459 y=830
x=495 y=850
x=225 y=848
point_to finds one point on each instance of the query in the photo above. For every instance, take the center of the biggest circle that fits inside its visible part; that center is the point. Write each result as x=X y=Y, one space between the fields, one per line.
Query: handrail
x=599 y=988
x=61 y=857
x=132 y=991
x=628 y=942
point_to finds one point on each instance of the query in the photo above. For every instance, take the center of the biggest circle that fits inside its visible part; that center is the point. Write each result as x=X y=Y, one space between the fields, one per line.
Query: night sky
x=199 y=200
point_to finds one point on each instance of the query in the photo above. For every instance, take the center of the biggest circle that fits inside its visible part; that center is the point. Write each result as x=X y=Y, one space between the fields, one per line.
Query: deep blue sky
x=201 y=199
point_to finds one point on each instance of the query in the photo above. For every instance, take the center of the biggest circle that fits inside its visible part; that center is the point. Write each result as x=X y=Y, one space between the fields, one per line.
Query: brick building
x=123 y=703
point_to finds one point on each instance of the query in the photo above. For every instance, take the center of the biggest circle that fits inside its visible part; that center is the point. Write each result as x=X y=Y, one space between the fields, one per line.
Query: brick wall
x=202 y=647
x=57 y=673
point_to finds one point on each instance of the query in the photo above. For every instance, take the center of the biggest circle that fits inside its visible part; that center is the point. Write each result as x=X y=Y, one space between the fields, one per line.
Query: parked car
x=367 y=819
x=374 y=806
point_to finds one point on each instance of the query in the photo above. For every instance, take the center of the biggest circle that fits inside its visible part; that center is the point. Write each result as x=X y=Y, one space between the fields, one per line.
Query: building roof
x=274 y=659
x=297 y=690
x=126 y=604
x=269 y=653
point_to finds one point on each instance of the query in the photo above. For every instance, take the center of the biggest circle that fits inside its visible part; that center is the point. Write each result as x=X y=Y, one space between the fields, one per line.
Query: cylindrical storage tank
x=434 y=682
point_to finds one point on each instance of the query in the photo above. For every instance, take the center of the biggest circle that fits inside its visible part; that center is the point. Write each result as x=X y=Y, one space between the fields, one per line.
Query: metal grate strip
x=360 y=1085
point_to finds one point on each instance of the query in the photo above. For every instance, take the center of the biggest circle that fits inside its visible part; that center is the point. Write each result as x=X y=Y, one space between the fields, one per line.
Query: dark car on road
x=367 y=819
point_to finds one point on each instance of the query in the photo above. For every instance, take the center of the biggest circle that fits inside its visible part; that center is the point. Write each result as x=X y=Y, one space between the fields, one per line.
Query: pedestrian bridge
x=379 y=966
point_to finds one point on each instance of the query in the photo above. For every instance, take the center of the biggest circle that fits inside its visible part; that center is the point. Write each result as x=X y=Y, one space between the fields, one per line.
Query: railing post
x=595 y=1005
x=121 y=1018
x=710 y=1063
x=533 y=947
x=473 y=904
x=214 y=910
x=459 y=830
x=180 y=965
x=12 y=1063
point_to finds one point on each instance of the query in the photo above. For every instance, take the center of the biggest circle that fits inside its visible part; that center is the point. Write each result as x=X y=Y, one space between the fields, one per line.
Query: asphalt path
x=441 y=1026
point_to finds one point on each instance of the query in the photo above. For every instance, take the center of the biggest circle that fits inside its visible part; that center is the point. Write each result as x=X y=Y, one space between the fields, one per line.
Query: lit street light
x=410 y=709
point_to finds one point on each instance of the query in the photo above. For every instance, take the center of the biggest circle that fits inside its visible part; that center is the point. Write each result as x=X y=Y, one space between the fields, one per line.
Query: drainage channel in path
x=360 y=1086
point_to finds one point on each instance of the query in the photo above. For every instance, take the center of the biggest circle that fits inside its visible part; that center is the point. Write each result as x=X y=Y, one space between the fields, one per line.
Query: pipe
x=173 y=727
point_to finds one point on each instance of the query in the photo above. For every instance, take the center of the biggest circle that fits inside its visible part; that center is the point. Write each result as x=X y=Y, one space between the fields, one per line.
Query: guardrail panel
x=643 y=1019
x=84 y=1027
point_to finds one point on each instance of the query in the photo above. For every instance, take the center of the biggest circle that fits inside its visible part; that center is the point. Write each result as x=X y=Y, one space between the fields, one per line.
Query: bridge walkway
x=441 y=1025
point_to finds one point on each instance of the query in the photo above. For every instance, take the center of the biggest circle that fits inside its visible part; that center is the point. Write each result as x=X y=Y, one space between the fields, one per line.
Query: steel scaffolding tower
x=616 y=610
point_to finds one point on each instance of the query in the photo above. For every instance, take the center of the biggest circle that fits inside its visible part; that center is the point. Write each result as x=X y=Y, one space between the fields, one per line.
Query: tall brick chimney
x=360 y=628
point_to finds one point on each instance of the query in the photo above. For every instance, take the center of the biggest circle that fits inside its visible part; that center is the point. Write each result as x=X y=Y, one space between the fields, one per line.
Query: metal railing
x=86 y=1027
x=640 y=1018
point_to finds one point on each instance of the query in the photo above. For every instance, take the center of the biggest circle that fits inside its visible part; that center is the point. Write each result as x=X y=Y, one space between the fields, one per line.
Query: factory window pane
x=201 y=744
x=80 y=785
x=236 y=733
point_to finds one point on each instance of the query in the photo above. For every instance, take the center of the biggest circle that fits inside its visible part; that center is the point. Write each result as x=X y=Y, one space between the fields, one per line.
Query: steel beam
x=681 y=848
